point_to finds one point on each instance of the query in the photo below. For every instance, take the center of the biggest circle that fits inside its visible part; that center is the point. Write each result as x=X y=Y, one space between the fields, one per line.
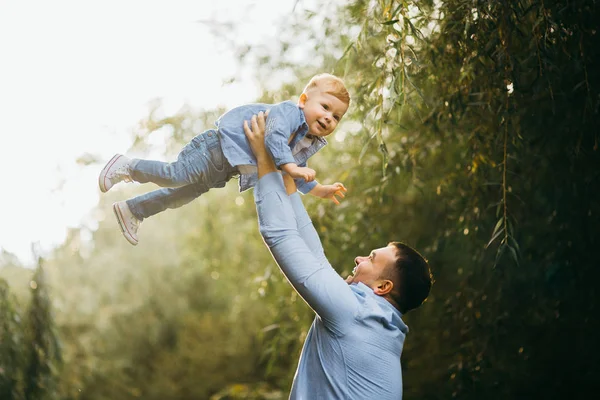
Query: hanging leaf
x=494 y=237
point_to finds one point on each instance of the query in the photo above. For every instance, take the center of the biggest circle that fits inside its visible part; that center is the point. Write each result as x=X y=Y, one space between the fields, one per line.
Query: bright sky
x=76 y=76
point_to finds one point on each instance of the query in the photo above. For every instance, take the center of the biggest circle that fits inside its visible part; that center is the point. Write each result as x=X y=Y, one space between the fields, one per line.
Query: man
x=353 y=348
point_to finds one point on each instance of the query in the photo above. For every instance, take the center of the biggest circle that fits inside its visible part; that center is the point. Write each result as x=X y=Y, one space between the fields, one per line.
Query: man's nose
x=358 y=259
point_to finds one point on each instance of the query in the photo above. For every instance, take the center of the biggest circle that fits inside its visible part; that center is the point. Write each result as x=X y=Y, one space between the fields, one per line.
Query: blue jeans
x=200 y=166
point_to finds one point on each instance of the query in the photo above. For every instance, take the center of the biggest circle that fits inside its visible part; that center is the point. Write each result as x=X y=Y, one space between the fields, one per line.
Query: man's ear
x=383 y=287
x=302 y=100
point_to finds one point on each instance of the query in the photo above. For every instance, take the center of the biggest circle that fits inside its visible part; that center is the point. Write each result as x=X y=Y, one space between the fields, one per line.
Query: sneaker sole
x=124 y=230
x=102 y=177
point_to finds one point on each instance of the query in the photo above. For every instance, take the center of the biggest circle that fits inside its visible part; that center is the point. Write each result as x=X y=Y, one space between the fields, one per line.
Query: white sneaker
x=128 y=222
x=115 y=171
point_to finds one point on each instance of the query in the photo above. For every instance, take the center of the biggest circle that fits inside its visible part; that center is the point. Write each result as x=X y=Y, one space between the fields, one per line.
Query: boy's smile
x=322 y=111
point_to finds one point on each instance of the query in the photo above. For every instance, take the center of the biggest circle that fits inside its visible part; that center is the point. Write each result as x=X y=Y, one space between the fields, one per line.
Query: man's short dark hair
x=411 y=276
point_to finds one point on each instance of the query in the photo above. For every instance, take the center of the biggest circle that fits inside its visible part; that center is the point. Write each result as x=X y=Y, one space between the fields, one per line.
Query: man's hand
x=296 y=172
x=256 y=138
x=330 y=192
x=256 y=134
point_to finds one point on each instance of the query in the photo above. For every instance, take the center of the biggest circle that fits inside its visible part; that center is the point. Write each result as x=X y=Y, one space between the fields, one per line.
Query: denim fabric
x=353 y=348
x=284 y=119
x=200 y=166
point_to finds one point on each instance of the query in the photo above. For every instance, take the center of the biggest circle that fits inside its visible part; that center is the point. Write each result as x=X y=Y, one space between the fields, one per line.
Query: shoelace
x=134 y=222
x=121 y=174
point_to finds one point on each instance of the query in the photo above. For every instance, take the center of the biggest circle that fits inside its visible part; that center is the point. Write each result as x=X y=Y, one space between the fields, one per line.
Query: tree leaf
x=498 y=225
x=494 y=237
x=513 y=254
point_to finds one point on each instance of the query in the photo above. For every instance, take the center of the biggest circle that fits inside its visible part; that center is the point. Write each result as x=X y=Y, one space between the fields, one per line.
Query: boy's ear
x=302 y=100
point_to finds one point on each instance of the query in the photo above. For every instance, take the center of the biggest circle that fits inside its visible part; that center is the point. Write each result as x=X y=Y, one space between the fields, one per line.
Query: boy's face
x=322 y=111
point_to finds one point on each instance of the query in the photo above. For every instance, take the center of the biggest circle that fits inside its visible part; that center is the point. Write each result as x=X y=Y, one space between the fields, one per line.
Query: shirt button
x=209 y=134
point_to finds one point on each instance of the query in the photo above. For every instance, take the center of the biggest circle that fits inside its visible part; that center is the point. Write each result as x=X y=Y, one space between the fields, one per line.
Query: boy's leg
x=146 y=205
x=204 y=156
x=132 y=212
x=211 y=168
x=196 y=163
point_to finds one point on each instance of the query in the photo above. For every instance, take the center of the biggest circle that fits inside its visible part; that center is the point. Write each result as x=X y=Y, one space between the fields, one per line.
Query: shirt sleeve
x=280 y=125
x=306 y=229
x=303 y=186
x=288 y=232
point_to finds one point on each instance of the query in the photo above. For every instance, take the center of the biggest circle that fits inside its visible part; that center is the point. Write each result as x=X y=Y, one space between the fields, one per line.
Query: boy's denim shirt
x=284 y=119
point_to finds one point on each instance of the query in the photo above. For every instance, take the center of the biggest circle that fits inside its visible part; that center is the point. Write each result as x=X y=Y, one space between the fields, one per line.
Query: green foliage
x=178 y=316
x=473 y=136
x=520 y=141
x=260 y=391
x=29 y=350
x=44 y=356
x=11 y=337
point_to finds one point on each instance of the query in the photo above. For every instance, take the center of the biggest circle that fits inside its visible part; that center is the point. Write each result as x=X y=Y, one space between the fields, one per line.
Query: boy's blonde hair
x=330 y=84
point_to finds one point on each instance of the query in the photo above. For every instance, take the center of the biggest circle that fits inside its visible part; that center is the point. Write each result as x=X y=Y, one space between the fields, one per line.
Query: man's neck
x=392 y=302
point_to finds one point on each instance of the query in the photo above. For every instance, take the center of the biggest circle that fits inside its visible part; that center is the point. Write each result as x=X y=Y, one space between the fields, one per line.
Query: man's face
x=322 y=111
x=370 y=269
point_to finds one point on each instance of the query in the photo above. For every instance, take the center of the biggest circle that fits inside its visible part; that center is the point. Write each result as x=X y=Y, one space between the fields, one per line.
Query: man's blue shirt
x=284 y=120
x=354 y=345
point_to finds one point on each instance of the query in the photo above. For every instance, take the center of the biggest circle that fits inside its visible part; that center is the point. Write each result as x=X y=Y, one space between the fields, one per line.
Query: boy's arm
x=298 y=172
x=303 y=185
x=323 y=191
x=279 y=127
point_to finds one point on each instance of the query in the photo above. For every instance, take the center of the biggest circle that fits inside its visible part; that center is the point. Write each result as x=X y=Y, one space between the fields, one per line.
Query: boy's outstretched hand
x=331 y=192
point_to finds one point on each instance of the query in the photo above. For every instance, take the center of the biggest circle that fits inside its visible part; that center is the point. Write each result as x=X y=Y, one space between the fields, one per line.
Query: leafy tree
x=472 y=135
x=476 y=141
x=10 y=345
x=43 y=350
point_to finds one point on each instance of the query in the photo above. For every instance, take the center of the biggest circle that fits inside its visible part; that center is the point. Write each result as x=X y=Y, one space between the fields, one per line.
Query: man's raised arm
x=309 y=272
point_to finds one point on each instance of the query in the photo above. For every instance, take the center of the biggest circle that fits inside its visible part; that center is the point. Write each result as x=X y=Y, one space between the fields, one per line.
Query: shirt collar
x=363 y=290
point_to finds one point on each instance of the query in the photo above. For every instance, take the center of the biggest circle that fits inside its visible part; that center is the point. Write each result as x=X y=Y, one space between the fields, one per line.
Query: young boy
x=294 y=132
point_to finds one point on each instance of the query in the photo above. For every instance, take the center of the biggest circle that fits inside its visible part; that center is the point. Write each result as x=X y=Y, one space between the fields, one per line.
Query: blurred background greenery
x=472 y=135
